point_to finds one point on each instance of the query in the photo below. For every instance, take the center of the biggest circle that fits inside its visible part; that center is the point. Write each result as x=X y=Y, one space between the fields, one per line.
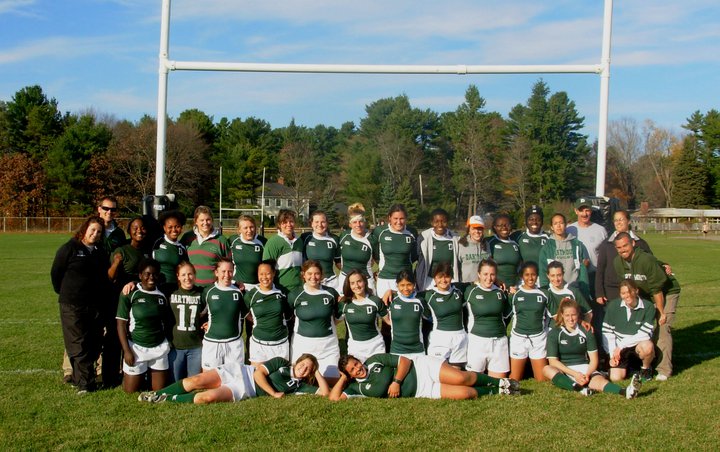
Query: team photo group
x=208 y=315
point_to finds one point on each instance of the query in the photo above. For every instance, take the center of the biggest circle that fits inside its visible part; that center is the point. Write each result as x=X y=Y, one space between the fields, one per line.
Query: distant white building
x=280 y=196
x=670 y=219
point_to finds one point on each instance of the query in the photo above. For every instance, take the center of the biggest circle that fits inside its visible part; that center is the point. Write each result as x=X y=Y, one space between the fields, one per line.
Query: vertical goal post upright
x=166 y=65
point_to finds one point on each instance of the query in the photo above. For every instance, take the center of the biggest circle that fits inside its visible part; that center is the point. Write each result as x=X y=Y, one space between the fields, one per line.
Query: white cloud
x=15 y=6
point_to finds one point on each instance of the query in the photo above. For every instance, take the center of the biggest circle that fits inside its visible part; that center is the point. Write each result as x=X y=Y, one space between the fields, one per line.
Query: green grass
x=38 y=412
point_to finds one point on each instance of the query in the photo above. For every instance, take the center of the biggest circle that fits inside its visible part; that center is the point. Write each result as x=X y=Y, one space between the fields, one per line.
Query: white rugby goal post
x=166 y=65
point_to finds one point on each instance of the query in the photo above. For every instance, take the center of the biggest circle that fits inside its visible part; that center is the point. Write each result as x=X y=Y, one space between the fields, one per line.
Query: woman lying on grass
x=387 y=375
x=573 y=356
x=234 y=382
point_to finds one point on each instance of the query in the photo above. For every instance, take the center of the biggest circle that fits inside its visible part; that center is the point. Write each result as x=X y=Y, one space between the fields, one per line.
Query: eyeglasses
x=109 y=209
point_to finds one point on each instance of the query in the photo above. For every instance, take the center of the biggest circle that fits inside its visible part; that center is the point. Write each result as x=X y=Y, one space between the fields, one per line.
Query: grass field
x=37 y=411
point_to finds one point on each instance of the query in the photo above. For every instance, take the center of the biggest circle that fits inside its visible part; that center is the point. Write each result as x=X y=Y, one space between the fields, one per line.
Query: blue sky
x=102 y=55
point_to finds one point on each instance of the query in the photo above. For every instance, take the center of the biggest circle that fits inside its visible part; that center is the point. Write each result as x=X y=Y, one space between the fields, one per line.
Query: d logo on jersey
x=326 y=301
x=330 y=245
x=257 y=248
x=408 y=239
x=369 y=310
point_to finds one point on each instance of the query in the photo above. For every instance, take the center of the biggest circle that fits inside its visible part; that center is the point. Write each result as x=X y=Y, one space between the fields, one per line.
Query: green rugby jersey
x=396 y=251
x=246 y=256
x=446 y=309
x=381 y=370
x=146 y=313
x=187 y=308
x=443 y=251
x=406 y=316
x=529 y=244
x=281 y=378
x=315 y=311
x=488 y=311
x=357 y=253
x=571 y=348
x=530 y=314
x=288 y=256
x=555 y=296
x=625 y=327
x=325 y=250
x=361 y=317
x=270 y=311
x=128 y=269
x=506 y=254
x=169 y=254
x=226 y=311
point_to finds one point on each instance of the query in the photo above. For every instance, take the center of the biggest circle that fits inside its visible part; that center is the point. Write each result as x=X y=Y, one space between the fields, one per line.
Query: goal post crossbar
x=166 y=65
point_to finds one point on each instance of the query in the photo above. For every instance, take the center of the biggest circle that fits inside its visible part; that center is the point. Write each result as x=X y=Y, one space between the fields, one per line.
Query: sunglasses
x=109 y=209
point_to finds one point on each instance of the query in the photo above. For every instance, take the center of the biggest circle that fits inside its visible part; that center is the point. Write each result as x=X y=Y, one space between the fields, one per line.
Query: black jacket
x=80 y=276
x=607 y=283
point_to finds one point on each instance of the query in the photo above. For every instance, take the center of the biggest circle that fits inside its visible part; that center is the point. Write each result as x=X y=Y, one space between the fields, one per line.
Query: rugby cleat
x=509 y=383
x=633 y=388
x=646 y=374
x=586 y=392
x=152 y=397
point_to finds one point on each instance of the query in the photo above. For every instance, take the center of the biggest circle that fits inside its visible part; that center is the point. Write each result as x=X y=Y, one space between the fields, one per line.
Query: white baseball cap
x=476 y=220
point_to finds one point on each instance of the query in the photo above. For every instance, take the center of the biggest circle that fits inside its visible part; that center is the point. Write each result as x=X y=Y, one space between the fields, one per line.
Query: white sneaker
x=587 y=392
x=633 y=388
x=661 y=377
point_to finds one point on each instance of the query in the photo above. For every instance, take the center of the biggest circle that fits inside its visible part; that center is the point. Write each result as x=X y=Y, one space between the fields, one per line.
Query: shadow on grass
x=695 y=344
x=646 y=393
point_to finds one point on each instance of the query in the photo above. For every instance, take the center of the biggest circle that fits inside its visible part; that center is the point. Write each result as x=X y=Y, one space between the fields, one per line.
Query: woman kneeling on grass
x=386 y=375
x=234 y=382
x=143 y=325
x=573 y=355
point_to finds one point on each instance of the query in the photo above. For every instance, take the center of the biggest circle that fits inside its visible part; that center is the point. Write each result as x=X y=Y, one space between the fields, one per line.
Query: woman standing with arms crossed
x=396 y=249
x=488 y=312
x=361 y=311
x=79 y=277
x=472 y=249
x=205 y=246
x=316 y=311
x=356 y=248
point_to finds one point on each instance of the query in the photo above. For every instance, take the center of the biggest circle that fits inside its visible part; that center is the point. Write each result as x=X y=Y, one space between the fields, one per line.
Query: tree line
x=468 y=160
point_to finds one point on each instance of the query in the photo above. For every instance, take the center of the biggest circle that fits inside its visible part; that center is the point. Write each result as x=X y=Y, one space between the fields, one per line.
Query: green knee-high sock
x=182 y=398
x=613 y=389
x=484 y=380
x=174 y=389
x=563 y=381
x=485 y=390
